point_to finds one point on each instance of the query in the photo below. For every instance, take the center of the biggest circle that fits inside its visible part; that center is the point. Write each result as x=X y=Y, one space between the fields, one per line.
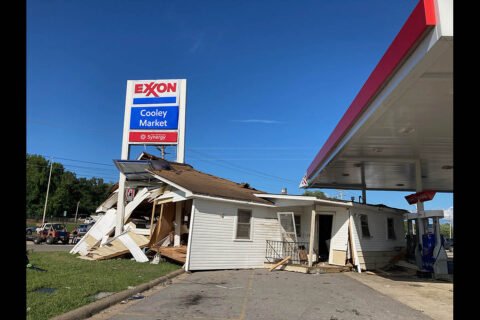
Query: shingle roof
x=202 y=183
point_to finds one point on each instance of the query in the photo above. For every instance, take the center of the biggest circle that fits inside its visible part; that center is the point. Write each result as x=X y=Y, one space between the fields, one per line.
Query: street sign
x=422 y=196
x=130 y=194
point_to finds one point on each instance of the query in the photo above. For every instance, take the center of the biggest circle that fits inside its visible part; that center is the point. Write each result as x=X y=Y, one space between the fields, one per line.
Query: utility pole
x=450 y=226
x=77 y=211
x=48 y=188
x=162 y=150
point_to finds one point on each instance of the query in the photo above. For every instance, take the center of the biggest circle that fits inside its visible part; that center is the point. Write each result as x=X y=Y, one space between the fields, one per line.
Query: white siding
x=377 y=223
x=213 y=244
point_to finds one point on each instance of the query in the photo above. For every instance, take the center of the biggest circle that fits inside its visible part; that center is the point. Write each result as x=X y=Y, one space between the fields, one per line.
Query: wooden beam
x=153 y=215
x=352 y=254
x=281 y=262
x=159 y=221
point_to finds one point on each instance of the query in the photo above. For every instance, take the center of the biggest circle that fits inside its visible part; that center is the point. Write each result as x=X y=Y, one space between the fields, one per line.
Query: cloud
x=448 y=213
x=198 y=42
x=258 y=121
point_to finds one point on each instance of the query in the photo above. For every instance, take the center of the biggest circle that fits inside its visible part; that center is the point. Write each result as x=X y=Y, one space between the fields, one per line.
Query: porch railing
x=279 y=250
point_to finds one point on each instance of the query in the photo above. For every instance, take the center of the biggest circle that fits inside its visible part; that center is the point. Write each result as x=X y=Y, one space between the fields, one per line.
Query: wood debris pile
x=153 y=224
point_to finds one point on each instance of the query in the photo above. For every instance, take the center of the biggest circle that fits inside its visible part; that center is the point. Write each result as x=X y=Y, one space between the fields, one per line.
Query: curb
x=92 y=308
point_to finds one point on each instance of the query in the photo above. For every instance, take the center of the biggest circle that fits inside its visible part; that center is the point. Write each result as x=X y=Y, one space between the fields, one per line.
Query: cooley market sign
x=155 y=114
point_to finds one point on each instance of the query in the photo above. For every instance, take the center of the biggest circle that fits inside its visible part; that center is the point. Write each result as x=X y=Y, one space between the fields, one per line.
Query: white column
x=312 y=236
x=419 y=222
x=124 y=156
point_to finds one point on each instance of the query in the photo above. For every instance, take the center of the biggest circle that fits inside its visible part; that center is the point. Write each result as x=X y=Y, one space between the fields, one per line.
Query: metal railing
x=279 y=250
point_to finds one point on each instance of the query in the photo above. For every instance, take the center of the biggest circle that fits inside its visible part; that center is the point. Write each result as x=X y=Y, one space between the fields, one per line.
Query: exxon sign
x=155 y=113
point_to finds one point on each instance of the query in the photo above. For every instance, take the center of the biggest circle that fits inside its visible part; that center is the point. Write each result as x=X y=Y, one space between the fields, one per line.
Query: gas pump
x=426 y=246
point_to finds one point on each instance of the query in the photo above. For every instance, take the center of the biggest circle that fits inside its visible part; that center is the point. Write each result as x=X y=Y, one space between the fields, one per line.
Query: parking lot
x=48 y=247
x=260 y=294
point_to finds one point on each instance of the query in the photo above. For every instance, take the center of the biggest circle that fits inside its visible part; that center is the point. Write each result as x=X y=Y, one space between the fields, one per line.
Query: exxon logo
x=154 y=88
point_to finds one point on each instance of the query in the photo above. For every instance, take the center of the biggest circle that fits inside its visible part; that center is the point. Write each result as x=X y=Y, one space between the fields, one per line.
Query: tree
x=316 y=193
x=65 y=189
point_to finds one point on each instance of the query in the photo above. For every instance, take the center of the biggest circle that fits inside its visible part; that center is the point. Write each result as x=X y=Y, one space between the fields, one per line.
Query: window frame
x=235 y=235
x=393 y=229
x=369 y=236
x=298 y=227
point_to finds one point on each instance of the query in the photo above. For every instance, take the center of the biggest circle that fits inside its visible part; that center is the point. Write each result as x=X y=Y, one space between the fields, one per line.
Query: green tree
x=316 y=193
x=65 y=189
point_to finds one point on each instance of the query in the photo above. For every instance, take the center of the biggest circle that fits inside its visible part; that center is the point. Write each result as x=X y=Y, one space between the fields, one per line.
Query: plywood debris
x=280 y=263
x=128 y=242
x=178 y=254
x=106 y=224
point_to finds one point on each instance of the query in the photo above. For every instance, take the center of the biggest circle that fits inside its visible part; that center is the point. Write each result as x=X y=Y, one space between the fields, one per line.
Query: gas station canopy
x=401 y=118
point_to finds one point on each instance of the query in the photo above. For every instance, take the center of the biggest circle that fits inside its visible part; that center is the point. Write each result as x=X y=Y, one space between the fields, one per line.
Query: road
x=260 y=294
x=48 y=247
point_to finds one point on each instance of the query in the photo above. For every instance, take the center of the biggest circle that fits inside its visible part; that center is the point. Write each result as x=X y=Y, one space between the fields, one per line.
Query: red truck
x=54 y=233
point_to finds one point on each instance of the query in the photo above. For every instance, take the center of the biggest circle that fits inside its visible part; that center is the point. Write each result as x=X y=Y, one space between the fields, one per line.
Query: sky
x=267 y=81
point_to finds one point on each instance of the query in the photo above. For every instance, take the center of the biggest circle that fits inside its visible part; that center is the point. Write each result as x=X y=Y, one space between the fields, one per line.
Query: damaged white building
x=206 y=223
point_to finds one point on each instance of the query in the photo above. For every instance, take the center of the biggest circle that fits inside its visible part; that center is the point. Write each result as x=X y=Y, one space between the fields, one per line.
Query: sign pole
x=181 y=122
x=125 y=155
x=76 y=211
x=48 y=188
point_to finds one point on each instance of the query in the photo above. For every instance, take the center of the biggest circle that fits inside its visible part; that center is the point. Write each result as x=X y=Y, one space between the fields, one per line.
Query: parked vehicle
x=448 y=243
x=52 y=234
x=80 y=231
x=31 y=231
x=43 y=226
x=89 y=220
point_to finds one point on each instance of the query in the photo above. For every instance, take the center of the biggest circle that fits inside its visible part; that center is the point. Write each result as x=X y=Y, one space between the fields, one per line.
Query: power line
x=103 y=164
x=72 y=127
x=101 y=170
x=247 y=170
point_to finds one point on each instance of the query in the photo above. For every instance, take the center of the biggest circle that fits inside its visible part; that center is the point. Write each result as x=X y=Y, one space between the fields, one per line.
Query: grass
x=75 y=279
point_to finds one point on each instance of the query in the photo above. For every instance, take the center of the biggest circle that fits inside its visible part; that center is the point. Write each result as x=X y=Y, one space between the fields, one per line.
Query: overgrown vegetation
x=444 y=229
x=75 y=279
x=316 y=193
x=65 y=189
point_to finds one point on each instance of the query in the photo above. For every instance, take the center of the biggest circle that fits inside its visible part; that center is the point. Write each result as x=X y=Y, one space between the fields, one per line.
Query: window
x=364 y=223
x=244 y=218
x=297 y=226
x=390 y=229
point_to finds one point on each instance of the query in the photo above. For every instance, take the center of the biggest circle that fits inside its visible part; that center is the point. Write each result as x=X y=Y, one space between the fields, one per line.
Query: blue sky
x=267 y=81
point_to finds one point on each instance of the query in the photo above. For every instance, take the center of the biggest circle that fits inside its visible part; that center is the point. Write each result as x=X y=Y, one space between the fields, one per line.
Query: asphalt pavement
x=48 y=247
x=260 y=294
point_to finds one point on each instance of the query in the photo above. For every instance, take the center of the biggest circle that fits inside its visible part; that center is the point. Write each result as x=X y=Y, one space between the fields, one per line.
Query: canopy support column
x=312 y=236
x=419 y=222
x=364 y=186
